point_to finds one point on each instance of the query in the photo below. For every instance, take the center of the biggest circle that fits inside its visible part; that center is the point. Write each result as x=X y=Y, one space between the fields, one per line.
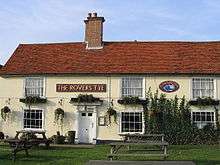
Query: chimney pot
x=94 y=14
x=89 y=15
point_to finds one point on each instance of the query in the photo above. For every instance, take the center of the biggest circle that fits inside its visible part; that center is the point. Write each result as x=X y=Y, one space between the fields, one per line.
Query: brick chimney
x=94 y=31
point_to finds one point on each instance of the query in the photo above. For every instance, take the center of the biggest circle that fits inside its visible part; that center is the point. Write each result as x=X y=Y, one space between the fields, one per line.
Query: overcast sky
x=36 y=21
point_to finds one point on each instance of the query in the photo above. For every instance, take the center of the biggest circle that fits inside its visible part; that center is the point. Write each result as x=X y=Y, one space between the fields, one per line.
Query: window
x=202 y=118
x=131 y=122
x=34 y=86
x=203 y=87
x=132 y=86
x=33 y=119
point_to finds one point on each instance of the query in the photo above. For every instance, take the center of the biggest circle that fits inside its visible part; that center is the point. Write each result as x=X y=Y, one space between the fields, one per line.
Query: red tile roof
x=116 y=57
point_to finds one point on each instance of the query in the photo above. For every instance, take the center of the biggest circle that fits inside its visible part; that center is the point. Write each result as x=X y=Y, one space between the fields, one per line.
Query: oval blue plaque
x=169 y=86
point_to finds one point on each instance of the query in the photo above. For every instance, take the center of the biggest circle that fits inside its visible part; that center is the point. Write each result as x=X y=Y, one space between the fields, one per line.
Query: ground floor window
x=131 y=122
x=33 y=119
x=202 y=118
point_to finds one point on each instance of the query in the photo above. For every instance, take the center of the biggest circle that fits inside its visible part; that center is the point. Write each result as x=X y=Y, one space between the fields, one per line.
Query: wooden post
x=111 y=152
x=165 y=152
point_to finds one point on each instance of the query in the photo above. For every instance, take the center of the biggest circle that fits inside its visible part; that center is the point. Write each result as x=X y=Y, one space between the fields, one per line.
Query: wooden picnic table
x=143 y=140
x=23 y=144
x=18 y=145
x=35 y=141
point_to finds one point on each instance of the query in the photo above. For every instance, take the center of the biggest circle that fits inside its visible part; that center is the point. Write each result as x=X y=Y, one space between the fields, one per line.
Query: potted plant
x=5 y=112
x=58 y=138
x=112 y=112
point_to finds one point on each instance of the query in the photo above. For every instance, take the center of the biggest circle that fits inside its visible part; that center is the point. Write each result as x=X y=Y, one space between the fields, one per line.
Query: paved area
x=101 y=162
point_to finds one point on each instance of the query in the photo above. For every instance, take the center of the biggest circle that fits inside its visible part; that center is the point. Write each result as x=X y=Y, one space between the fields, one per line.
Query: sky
x=49 y=21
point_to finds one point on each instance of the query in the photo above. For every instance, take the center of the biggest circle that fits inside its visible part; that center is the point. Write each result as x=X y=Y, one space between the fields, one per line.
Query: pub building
x=85 y=79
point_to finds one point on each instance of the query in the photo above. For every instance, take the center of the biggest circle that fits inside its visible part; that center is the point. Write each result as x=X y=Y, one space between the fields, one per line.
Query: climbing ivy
x=172 y=117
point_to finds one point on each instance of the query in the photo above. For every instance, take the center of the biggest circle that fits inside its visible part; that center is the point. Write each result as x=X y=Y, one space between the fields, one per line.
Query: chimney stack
x=94 y=31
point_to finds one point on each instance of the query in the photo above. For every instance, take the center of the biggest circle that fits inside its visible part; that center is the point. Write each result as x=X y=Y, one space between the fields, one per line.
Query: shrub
x=173 y=118
x=58 y=139
x=2 y=136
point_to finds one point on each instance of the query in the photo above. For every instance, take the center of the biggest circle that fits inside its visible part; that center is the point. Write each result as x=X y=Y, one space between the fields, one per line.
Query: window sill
x=130 y=133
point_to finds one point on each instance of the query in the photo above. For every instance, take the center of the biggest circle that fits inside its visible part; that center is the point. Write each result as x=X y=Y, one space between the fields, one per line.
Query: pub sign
x=81 y=87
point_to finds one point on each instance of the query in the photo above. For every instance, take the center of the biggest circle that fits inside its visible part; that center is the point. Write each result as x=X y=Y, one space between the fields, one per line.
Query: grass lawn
x=201 y=154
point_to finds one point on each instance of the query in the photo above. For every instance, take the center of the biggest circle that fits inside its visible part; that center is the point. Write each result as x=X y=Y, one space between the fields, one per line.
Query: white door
x=86 y=127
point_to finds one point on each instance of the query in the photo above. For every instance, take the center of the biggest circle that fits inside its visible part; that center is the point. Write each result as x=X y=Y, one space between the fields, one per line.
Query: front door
x=86 y=127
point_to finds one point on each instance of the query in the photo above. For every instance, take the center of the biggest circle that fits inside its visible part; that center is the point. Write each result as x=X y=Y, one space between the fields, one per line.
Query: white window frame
x=214 y=124
x=44 y=86
x=43 y=119
x=143 y=85
x=130 y=111
x=191 y=86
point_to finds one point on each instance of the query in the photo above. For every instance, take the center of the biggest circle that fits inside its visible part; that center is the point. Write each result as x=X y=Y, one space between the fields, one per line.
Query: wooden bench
x=130 y=141
x=18 y=145
x=25 y=143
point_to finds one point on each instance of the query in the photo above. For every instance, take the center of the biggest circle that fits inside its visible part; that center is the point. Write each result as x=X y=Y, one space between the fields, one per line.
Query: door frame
x=86 y=108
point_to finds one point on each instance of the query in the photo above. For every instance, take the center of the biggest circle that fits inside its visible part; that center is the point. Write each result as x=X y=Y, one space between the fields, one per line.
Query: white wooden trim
x=143 y=121
x=43 y=118
x=204 y=110
x=44 y=85
x=143 y=85
x=215 y=86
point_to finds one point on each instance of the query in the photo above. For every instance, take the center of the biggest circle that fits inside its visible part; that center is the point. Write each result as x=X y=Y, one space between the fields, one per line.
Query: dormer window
x=34 y=86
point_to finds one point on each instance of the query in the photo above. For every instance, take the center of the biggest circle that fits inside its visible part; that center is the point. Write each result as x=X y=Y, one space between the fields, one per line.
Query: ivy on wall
x=172 y=116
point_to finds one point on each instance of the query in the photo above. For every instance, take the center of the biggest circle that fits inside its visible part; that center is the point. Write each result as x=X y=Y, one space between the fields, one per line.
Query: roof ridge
x=135 y=41
x=52 y=43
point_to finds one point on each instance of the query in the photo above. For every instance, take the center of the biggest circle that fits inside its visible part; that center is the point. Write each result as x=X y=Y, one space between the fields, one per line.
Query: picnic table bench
x=133 y=140
x=25 y=143
x=18 y=145
x=37 y=140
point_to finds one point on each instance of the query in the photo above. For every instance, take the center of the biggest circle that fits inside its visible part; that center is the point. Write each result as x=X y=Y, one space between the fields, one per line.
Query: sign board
x=169 y=86
x=81 y=87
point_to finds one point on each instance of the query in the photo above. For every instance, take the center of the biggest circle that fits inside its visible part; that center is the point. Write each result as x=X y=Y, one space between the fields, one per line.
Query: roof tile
x=116 y=58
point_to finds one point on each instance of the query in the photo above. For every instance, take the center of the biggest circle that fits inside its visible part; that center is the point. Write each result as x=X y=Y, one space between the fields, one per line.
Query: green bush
x=58 y=139
x=173 y=118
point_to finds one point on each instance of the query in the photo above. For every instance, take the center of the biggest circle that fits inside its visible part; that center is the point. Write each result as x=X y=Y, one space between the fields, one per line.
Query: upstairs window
x=203 y=87
x=132 y=86
x=34 y=86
